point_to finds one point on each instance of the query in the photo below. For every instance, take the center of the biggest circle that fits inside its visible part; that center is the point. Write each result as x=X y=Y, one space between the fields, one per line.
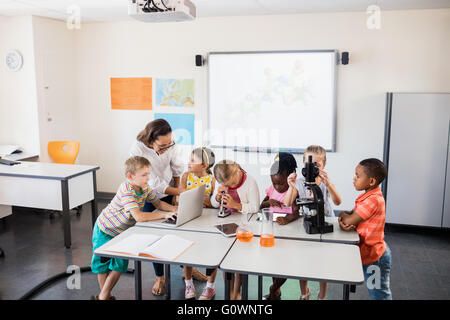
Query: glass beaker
x=266 y=238
x=244 y=232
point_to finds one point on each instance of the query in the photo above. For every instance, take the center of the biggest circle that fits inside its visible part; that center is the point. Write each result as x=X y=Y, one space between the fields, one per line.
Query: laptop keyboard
x=171 y=221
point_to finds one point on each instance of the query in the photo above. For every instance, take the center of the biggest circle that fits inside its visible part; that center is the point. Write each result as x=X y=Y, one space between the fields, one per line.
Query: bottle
x=267 y=238
x=244 y=232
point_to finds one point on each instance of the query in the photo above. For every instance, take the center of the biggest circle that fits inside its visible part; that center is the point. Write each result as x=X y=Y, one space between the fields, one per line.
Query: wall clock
x=14 y=60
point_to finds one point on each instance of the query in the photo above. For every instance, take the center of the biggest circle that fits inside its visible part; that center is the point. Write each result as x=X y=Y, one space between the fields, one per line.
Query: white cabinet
x=446 y=215
x=417 y=188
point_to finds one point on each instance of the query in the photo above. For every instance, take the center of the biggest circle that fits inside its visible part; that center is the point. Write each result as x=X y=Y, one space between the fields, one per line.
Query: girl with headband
x=198 y=174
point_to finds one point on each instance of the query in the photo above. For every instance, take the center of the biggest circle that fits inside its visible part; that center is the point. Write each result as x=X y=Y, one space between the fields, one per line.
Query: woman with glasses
x=155 y=143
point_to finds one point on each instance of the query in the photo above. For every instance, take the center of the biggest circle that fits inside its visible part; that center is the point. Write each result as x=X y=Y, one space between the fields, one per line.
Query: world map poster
x=174 y=92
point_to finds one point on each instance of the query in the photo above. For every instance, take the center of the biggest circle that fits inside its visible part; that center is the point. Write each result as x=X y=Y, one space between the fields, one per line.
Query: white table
x=21 y=156
x=295 y=259
x=208 y=251
x=204 y=223
x=49 y=186
x=294 y=230
x=338 y=235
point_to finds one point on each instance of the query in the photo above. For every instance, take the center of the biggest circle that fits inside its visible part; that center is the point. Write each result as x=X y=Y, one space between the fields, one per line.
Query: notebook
x=168 y=247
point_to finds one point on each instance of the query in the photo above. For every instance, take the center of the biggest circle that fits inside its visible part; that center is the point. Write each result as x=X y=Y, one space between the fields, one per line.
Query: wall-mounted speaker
x=344 y=57
x=198 y=60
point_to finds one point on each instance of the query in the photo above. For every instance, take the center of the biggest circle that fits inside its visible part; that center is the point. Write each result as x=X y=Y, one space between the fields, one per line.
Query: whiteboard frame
x=287 y=149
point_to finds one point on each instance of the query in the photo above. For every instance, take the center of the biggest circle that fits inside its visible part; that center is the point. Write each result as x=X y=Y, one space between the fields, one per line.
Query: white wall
x=409 y=53
x=18 y=101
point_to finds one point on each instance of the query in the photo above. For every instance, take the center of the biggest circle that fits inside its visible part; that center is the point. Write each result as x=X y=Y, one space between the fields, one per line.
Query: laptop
x=190 y=207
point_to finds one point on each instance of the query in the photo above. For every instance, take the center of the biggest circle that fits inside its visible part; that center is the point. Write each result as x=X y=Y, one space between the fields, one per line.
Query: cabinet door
x=417 y=159
x=446 y=213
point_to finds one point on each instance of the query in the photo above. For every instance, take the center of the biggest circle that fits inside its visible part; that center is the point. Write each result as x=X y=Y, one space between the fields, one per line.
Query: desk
x=295 y=259
x=21 y=156
x=338 y=235
x=49 y=186
x=294 y=230
x=204 y=223
x=208 y=251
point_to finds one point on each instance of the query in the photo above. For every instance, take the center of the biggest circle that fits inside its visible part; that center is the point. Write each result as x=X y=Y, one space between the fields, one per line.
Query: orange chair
x=64 y=152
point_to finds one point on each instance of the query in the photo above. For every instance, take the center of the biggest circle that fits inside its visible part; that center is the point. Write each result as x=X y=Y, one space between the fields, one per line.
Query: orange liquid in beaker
x=266 y=240
x=244 y=236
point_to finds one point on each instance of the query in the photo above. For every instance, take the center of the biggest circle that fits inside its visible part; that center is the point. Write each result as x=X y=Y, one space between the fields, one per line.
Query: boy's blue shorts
x=102 y=264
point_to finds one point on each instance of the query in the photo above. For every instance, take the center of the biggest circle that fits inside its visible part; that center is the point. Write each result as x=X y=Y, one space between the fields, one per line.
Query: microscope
x=315 y=221
x=223 y=212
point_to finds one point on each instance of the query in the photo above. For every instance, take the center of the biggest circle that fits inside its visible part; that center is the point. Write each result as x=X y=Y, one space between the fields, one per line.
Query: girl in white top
x=242 y=196
x=243 y=192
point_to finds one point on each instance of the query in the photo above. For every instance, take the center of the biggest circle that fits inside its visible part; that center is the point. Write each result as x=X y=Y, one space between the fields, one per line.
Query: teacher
x=156 y=144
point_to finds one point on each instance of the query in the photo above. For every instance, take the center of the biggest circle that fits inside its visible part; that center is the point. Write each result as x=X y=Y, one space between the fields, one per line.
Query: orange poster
x=131 y=93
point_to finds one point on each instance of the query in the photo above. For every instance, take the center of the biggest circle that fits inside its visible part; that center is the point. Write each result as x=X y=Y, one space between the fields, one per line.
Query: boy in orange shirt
x=368 y=218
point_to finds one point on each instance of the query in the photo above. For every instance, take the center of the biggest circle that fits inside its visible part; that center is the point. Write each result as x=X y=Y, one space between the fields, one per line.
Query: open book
x=167 y=247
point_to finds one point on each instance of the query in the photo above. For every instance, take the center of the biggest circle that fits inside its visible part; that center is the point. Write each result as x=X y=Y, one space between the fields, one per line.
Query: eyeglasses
x=165 y=148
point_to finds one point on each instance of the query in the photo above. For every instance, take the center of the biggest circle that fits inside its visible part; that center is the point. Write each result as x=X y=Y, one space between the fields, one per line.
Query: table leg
x=66 y=212
x=167 y=284
x=260 y=284
x=94 y=207
x=244 y=291
x=346 y=293
x=137 y=280
x=227 y=285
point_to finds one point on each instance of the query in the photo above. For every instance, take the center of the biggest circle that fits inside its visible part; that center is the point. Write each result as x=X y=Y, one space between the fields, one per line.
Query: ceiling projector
x=161 y=10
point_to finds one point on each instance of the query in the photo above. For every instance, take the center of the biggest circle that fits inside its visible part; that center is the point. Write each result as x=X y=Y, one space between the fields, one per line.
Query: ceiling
x=113 y=10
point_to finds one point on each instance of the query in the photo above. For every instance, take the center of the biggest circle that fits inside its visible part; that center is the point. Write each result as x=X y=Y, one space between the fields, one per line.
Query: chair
x=64 y=152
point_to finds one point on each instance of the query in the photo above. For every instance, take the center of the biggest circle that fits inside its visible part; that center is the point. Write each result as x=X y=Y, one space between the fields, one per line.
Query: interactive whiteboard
x=272 y=101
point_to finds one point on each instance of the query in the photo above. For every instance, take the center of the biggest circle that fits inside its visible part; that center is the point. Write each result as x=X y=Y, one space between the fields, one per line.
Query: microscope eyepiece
x=310 y=171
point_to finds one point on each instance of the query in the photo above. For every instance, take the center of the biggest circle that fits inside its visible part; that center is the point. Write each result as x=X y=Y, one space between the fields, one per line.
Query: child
x=242 y=196
x=199 y=173
x=120 y=214
x=329 y=191
x=283 y=166
x=368 y=217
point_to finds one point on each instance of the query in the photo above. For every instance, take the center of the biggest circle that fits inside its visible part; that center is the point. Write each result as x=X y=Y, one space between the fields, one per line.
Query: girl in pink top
x=283 y=166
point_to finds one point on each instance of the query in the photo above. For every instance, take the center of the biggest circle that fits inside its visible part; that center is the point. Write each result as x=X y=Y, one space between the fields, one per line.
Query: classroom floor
x=34 y=251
